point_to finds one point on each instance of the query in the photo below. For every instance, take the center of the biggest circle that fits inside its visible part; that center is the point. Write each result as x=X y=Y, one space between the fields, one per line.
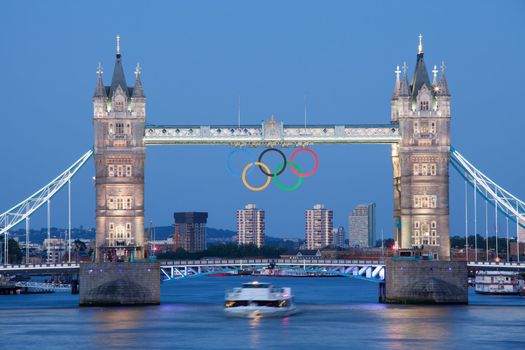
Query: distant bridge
x=176 y=269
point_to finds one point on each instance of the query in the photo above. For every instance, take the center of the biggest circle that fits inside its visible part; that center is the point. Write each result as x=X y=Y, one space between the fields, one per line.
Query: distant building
x=302 y=254
x=319 y=227
x=362 y=226
x=55 y=249
x=250 y=225
x=190 y=231
x=338 y=237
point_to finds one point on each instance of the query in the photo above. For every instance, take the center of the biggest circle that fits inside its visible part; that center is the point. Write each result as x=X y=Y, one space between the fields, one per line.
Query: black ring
x=282 y=155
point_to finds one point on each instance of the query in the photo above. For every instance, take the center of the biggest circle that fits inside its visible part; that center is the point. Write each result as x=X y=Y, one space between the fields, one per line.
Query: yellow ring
x=251 y=187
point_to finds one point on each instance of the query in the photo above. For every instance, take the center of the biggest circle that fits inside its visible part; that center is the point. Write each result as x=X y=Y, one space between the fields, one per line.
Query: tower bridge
x=418 y=131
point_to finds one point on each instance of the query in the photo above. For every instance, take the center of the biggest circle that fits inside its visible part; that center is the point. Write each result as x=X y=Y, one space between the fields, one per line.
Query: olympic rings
x=282 y=155
x=251 y=187
x=282 y=187
x=278 y=170
x=310 y=173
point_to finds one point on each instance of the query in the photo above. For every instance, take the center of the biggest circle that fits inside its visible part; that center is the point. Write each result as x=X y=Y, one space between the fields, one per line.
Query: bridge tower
x=420 y=160
x=119 y=120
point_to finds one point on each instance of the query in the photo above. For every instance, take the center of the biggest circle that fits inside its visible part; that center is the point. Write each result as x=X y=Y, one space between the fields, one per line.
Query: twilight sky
x=199 y=56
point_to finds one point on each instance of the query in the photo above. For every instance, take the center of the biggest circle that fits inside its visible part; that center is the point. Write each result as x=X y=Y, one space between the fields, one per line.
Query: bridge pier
x=108 y=284
x=414 y=281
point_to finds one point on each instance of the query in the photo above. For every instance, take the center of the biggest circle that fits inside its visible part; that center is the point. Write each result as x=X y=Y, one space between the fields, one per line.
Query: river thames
x=335 y=313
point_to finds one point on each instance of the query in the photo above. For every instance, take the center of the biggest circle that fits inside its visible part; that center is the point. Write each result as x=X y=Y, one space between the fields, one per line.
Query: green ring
x=276 y=178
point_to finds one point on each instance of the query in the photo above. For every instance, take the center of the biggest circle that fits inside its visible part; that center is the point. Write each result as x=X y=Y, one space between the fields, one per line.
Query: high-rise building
x=362 y=225
x=319 y=226
x=338 y=235
x=190 y=231
x=250 y=225
x=55 y=249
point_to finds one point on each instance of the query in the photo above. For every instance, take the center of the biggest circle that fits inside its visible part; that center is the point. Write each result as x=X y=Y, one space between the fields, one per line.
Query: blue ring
x=228 y=159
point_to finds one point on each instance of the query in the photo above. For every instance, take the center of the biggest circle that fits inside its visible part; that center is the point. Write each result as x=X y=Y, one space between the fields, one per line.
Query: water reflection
x=415 y=324
x=113 y=325
x=255 y=336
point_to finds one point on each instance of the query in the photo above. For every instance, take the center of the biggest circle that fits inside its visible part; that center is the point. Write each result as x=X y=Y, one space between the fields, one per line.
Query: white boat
x=497 y=282
x=255 y=299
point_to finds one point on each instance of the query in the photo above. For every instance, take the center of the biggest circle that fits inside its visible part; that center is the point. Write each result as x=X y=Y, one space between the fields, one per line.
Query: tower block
x=119 y=118
x=420 y=160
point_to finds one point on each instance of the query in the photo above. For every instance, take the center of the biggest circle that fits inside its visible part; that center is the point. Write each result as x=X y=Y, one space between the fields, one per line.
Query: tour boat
x=497 y=282
x=255 y=299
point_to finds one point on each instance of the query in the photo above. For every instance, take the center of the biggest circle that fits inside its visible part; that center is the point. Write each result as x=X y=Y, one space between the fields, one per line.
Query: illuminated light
x=101 y=270
x=90 y=270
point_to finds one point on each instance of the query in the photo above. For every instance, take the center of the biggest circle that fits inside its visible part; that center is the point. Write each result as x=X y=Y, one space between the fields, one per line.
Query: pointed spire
x=397 y=84
x=435 y=73
x=443 y=86
x=100 y=90
x=138 y=90
x=420 y=77
x=403 y=90
x=118 y=44
x=118 y=78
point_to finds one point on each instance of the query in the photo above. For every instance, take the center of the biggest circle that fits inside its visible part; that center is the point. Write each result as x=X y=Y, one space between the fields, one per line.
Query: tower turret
x=420 y=160
x=100 y=96
x=119 y=163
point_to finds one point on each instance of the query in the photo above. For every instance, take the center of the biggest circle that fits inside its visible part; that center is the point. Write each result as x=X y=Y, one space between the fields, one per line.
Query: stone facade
x=420 y=161
x=119 y=122
x=105 y=284
x=426 y=282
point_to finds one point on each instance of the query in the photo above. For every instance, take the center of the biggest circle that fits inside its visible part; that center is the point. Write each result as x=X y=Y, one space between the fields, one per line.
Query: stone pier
x=106 y=284
x=415 y=281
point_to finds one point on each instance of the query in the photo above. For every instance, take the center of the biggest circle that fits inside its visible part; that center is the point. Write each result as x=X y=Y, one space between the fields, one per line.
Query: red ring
x=311 y=172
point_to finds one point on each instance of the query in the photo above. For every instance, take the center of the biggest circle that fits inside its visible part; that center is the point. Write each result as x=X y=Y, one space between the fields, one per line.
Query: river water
x=336 y=313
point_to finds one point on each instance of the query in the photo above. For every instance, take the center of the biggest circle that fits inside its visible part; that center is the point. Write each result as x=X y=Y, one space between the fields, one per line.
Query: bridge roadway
x=241 y=263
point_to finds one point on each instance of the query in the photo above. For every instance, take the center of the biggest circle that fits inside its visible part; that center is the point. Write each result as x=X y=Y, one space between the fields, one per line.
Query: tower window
x=433 y=170
x=128 y=170
x=416 y=169
x=424 y=169
x=119 y=128
x=424 y=106
x=111 y=170
x=416 y=127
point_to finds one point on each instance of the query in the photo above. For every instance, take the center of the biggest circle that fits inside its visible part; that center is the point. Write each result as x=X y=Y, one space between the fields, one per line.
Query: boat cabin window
x=256 y=285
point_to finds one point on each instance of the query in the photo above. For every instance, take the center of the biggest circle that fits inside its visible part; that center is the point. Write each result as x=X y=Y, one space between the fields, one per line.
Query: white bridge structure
x=279 y=134
x=45 y=287
x=373 y=270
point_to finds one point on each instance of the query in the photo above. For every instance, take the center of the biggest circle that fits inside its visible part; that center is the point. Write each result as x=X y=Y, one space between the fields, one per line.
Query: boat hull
x=259 y=311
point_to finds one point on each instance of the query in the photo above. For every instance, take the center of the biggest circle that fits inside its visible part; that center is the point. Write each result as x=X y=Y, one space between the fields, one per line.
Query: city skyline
x=369 y=94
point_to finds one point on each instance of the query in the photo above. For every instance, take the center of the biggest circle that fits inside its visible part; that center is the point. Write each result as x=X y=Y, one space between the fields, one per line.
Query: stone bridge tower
x=420 y=160
x=119 y=120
